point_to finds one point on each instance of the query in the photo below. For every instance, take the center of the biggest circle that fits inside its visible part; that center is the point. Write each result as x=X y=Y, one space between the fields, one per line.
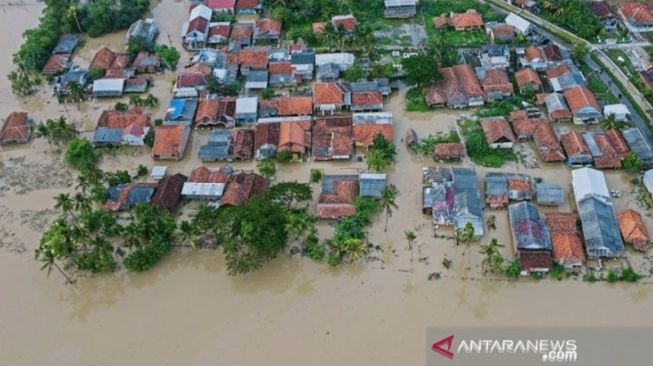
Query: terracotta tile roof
x=561 y=222
x=319 y=27
x=16 y=128
x=243 y=186
x=637 y=11
x=242 y=144
x=468 y=19
x=532 y=52
x=557 y=71
x=364 y=133
x=203 y=69
x=449 y=150
x=169 y=141
x=295 y=136
x=610 y=159
x=327 y=93
x=371 y=98
x=435 y=94
x=221 y=30
x=268 y=105
x=112 y=118
x=332 y=137
x=344 y=191
x=267 y=133
x=497 y=129
x=347 y=22
x=567 y=247
x=199 y=24
x=284 y=67
x=528 y=76
x=460 y=81
x=102 y=59
x=253 y=57
x=168 y=191
x=518 y=115
x=146 y=62
x=633 y=229
x=551 y=52
x=295 y=106
x=221 y=4
x=580 y=97
x=519 y=184
x=617 y=142
x=574 y=144
x=239 y=32
x=207 y=111
x=441 y=21
x=548 y=144
x=56 y=64
x=203 y=174
x=503 y=30
x=335 y=210
x=496 y=80
x=225 y=113
x=187 y=80
x=267 y=25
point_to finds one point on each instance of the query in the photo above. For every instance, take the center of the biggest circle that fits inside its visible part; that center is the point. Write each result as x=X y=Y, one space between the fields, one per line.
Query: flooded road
x=187 y=311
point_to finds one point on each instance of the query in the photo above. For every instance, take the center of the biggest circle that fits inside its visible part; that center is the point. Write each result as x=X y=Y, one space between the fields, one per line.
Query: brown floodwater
x=187 y=311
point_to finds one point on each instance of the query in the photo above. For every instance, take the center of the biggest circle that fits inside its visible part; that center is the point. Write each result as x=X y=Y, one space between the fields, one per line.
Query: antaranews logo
x=444 y=342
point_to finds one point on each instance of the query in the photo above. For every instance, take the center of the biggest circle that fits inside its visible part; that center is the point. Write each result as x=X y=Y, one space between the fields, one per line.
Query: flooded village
x=560 y=200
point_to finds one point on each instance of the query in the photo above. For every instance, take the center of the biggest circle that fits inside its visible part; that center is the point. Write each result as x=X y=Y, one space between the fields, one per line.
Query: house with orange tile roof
x=500 y=32
x=328 y=97
x=222 y=6
x=243 y=186
x=115 y=128
x=366 y=101
x=498 y=133
x=240 y=36
x=637 y=15
x=528 y=78
x=281 y=74
x=578 y=153
x=459 y=88
x=618 y=143
x=495 y=84
x=633 y=229
x=346 y=22
x=266 y=139
x=295 y=137
x=540 y=58
x=218 y=33
x=449 y=151
x=253 y=59
x=16 y=129
x=216 y=112
x=583 y=105
x=565 y=239
x=604 y=154
x=267 y=30
x=295 y=106
x=170 y=142
x=248 y=6
x=366 y=126
x=333 y=138
x=195 y=31
x=204 y=174
x=468 y=20
x=337 y=197
x=548 y=144
x=57 y=64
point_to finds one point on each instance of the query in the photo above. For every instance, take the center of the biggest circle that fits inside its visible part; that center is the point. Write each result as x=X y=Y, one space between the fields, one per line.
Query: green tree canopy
x=421 y=70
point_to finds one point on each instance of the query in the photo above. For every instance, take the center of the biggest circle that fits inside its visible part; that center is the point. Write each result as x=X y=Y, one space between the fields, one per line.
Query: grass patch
x=415 y=100
x=479 y=150
x=464 y=38
x=601 y=90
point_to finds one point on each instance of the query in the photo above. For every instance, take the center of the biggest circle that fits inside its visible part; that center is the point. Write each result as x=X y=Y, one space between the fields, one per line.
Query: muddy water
x=294 y=311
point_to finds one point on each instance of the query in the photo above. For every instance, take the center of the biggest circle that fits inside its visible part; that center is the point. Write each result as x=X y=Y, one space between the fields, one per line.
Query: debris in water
x=435 y=276
x=446 y=263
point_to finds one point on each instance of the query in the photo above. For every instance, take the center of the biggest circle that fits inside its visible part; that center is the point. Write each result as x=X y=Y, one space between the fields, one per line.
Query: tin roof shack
x=295 y=137
x=337 y=197
x=549 y=194
x=438 y=195
x=531 y=238
x=216 y=112
x=181 y=111
x=565 y=239
x=449 y=151
x=400 y=8
x=366 y=126
x=67 y=44
x=242 y=187
x=170 y=142
x=498 y=133
x=639 y=145
x=557 y=108
x=16 y=129
x=125 y=196
x=145 y=29
x=633 y=229
x=496 y=190
x=246 y=110
x=168 y=192
x=332 y=138
x=578 y=153
x=600 y=228
x=108 y=88
x=372 y=185
x=468 y=206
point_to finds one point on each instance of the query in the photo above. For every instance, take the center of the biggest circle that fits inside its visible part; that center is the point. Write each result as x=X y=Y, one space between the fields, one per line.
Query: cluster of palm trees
x=73 y=92
x=56 y=131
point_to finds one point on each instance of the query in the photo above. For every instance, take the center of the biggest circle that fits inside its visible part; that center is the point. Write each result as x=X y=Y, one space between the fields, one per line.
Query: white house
x=589 y=182
x=520 y=24
x=620 y=111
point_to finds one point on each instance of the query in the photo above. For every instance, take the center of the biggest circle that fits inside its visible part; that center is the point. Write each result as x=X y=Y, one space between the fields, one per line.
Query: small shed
x=205 y=191
x=108 y=88
x=549 y=194
x=67 y=44
x=158 y=172
x=246 y=110
x=620 y=111
x=372 y=185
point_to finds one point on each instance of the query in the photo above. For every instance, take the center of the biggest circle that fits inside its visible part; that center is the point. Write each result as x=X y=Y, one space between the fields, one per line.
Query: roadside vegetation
x=573 y=15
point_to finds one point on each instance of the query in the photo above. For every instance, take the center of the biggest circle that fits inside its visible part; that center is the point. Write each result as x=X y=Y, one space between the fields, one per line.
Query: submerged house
x=372 y=185
x=16 y=129
x=583 y=105
x=459 y=88
x=468 y=207
x=115 y=128
x=498 y=133
x=333 y=138
x=366 y=126
x=125 y=196
x=496 y=190
x=168 y=192
x=195 y=32
x=633 y=229
x=246 y=110
x=337 y=197
x=295 y=137
x=639 y=145
x=565 y=239
x=266 y=139
x=241 y=187
x=578 y=153
x=145 y=29
x=216 y=112
x=170 y=142
x=181 y=111
x=531 y=238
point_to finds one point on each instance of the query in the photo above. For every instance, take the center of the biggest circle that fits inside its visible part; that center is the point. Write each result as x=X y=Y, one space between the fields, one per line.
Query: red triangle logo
x=440 y=345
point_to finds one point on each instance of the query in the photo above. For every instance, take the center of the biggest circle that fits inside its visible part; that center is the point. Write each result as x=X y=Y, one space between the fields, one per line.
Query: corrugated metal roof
x=528 y=227
x=372 y=185
x=549 y=193
x=203 y=189
x=600 y=228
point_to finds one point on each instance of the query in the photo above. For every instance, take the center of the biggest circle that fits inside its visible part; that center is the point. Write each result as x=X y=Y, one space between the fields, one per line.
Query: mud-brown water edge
x=292 y=312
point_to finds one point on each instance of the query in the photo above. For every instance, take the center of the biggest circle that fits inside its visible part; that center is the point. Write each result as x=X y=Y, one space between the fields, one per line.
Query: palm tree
x=81 y=202
x=465 y=236
x=42 y=131
x=132 y=236
x=71 y=12
x=76 y=93
x=388 y=196
x=49 y=261
x=493 y=261
x=410 y=236
x=352 y=248
x=64 y=203
x=186 y=231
